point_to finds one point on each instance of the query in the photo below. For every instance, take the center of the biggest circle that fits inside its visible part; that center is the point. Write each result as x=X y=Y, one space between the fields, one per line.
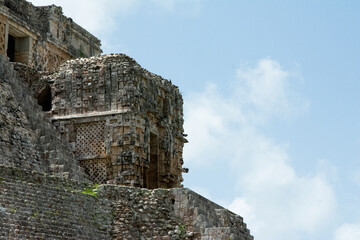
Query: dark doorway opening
x=166 y=108
x=145 y=184
x=44 y=99
x=11 y=48
x=153 y=172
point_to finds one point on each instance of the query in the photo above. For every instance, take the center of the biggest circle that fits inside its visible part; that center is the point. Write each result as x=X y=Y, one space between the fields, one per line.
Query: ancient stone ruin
x=125 y=124
x=70 y=120
x=42 y=37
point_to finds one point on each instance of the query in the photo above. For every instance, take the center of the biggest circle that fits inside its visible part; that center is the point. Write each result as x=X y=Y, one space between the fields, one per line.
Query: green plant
x=181 y=231
x=82 y=54
x=92 y=191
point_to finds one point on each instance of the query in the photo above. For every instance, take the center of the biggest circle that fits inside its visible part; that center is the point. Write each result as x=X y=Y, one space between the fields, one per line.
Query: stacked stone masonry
x=207 y=219
x=27 y=138
x=42 y=37
x=38 y=206
x=67 y=126
x=125 y=124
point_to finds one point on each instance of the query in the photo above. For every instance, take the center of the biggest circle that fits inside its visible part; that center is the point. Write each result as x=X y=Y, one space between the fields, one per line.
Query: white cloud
x=207 y=120
x=282 y=204
x=348 y=232
x=274 y=200
x=241 y=205
x=104 y=18
x=266 y=91
x=95 y=16
x=100 y=17
x=264 y=86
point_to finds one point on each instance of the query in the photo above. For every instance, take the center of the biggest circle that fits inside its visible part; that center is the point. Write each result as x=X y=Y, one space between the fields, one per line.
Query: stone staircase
x=34 y=205
x=56 y=157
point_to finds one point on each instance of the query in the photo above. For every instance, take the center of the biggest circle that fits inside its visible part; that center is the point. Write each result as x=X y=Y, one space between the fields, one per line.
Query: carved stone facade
x=102 y=120
x=2 y=34
x=43 y=192
x=42 y=37
x=125 y=124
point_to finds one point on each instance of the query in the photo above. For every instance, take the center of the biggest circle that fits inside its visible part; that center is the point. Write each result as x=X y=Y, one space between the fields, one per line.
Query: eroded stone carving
x=111 y=110
x=115 y=123
x=2 y=34
x=42 y=37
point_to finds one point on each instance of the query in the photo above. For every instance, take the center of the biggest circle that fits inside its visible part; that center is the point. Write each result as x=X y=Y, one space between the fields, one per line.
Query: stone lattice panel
x=98 y=170
x=2 y=35
x=90 y=140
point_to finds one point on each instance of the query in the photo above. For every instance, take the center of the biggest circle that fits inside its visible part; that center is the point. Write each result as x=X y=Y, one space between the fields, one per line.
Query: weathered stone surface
x=27 y=138
x=105 y=116
x=124 y=123
x=206 y=218
x=37 y=206
x=42 y=37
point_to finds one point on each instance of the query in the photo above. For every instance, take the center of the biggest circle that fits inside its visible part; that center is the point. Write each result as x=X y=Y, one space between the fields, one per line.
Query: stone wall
x=170 y=214
x=113 y=119
x=44 y=195
x=27 y=139
x=37 y=206
x=34 y=205
x=29 y=75
x=143 y=214
x=17 y=141
x=42 y=36
x=124 y=123
x=208 y=219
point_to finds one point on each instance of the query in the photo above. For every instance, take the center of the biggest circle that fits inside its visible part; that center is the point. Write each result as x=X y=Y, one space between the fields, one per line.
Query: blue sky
x=271 y=101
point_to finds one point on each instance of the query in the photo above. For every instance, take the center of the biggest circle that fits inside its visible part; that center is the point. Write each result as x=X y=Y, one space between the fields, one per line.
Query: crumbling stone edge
x=38 y=205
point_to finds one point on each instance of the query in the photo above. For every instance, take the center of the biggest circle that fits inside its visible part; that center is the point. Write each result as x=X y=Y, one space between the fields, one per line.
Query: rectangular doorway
x=18 y=46
x=153 y=171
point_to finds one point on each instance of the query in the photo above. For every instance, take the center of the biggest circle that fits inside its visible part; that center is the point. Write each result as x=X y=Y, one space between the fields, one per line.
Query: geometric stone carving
x=97 y=170
x=90 y=140
x=139 y=128
x=42 y=37
x=2 y=37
